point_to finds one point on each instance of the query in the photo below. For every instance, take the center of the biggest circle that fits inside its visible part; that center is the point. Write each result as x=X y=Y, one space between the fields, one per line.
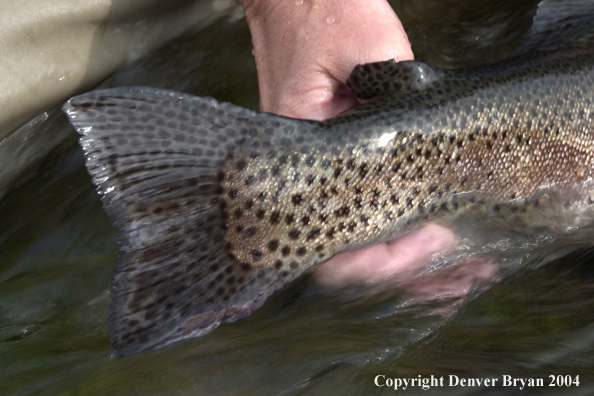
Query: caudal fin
x=154 y=156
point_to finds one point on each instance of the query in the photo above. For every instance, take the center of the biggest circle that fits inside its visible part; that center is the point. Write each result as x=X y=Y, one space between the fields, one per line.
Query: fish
x=220 y=206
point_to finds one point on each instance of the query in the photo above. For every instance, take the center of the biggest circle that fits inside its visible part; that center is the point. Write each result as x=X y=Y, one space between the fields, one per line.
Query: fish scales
x=290 y=210
x=220 y=206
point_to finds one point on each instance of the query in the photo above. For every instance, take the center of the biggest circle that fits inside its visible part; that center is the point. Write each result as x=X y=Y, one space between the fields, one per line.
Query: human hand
x=305 y=51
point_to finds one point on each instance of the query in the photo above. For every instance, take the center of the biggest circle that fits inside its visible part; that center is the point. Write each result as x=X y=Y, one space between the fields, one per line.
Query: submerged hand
x=305 y=51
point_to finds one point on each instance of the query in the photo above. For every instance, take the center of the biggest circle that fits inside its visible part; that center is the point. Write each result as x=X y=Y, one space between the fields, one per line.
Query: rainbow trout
x=220 y=206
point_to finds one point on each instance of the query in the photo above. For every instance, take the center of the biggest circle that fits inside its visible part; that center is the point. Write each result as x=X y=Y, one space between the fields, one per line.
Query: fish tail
x=155 y=157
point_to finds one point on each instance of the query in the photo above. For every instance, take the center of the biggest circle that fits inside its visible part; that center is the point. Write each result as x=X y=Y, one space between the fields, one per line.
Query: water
x=57 y=252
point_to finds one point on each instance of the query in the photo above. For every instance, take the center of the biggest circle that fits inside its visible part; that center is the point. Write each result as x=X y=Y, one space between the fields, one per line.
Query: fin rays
x=154 y=156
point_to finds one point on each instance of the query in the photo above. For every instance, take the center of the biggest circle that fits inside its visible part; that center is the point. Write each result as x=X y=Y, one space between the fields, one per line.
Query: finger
x=383 y=261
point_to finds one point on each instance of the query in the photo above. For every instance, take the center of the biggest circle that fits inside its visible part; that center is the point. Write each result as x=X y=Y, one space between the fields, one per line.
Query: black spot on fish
x=250 y=231
x=275 y=217
x=297 y=199
x=305 y=220
x=352 y=225
x=313 y=234
x=286 y=250
x=363 y=170
x=342 y=211
x=294 y=233
x=256 y=255
x=273 y=245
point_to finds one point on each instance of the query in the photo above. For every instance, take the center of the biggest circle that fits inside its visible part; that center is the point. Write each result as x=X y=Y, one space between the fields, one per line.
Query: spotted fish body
x=221 y=206
x=503 y=150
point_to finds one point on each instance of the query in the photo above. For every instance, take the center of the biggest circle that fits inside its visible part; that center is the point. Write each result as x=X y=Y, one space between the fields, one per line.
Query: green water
x=57 y=252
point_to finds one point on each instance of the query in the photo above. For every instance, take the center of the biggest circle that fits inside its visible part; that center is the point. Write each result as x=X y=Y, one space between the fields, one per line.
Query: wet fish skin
x=508 y=150
x=221 y=206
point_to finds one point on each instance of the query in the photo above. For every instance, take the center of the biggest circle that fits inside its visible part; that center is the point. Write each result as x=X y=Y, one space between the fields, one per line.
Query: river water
x=57 y=252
